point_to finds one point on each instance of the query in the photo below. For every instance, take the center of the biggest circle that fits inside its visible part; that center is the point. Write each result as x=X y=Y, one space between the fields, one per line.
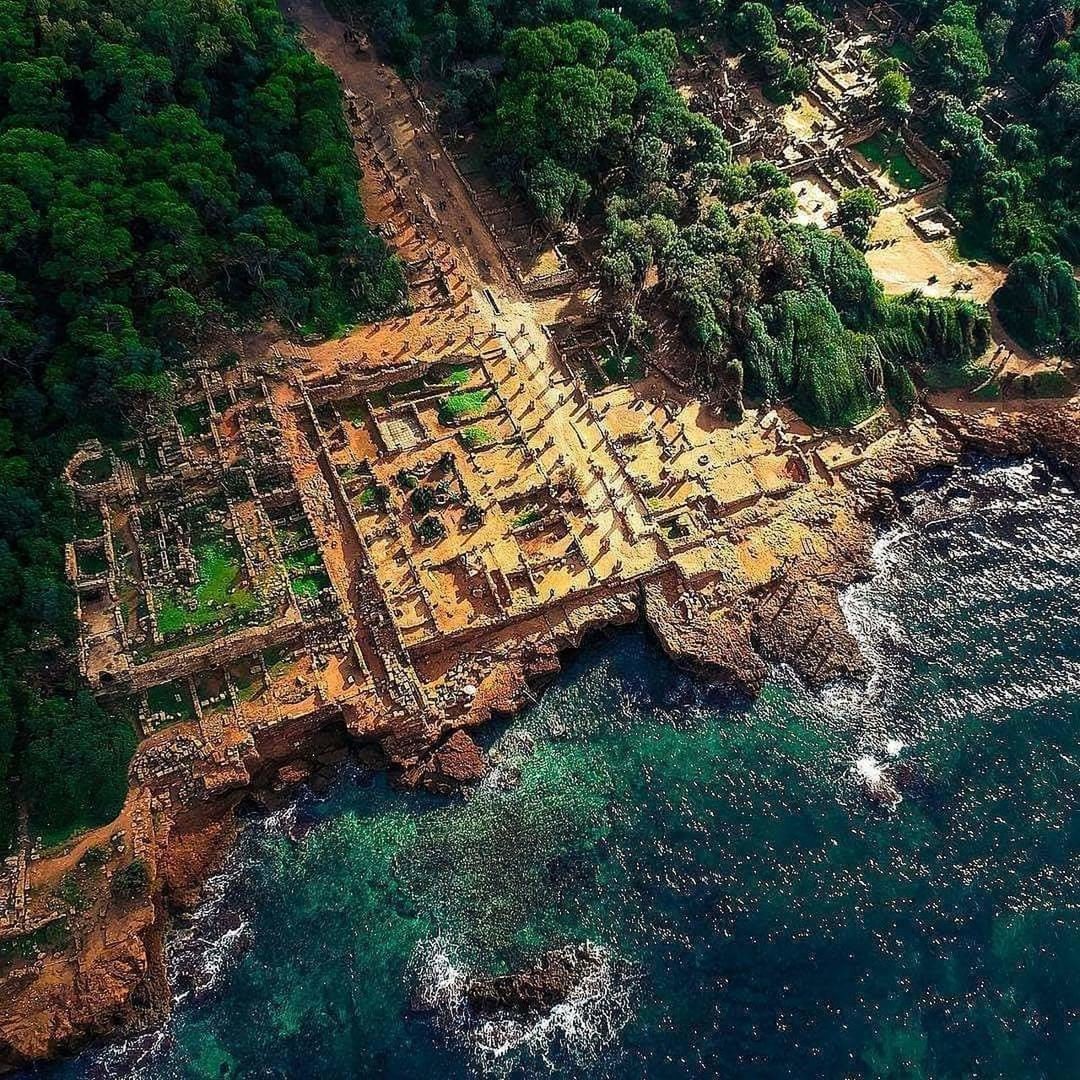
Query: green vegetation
x=526 y=517
x=893 y=92
x=834 y=347
x=50 y=938
x=216 y=597
x=476 y=436
x=299 y=561
x=889 y=155
x=172 y=700
x=753 y=29
x=422 y=499
x=1015 y=190
x=622 y=365
x=464 y=403
x=947 y=377
x=856 y=210
x=194 y=420
x=951 y=54
x=73 y=763
x=375 y=496
x=308 y=586
x=455 y=375
x=900 y=50
x=131 y=881
x=582 y=117
x=164 y=164
x=1039 y=303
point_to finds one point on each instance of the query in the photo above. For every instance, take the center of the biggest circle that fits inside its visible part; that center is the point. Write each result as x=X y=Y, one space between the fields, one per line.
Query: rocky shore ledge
x=726 y=619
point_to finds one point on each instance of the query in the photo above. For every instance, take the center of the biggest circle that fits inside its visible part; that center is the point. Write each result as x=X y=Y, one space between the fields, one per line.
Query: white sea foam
x=578 y=1031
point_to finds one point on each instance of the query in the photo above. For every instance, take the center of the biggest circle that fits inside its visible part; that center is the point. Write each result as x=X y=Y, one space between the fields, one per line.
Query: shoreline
x=55 y=1008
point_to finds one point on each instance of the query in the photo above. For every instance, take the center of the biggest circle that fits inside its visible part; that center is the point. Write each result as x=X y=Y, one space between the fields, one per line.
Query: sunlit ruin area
x=635 y=315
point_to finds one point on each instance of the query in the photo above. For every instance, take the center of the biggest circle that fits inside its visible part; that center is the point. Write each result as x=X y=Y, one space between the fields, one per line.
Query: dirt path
x=421 y=152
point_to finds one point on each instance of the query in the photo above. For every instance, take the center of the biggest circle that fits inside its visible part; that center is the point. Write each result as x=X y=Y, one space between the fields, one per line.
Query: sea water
x=876 y=880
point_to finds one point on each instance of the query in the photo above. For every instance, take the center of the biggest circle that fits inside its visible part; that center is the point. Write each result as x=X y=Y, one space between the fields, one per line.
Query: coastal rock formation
x=550 y=982
x=453 y=764
x=1051 y=428
x=114 y=980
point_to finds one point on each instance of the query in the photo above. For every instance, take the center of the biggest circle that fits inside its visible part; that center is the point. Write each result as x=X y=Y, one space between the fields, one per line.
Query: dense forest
x=165 y=165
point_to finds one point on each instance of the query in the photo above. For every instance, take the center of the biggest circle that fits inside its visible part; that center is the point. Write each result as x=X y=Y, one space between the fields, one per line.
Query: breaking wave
x=577 y=1032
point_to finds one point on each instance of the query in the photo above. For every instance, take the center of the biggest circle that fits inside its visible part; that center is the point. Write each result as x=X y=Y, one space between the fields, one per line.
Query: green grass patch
x=173 y=699
x=194 y=420
x=526 y=517
x=308 y=586
x=624 y=366
x=277 y=659
x=951 y=377
x=95 y=471
x=352 y=411
x=299 y=562
x=216 y=596
x=889 y=155
x=463 y=403
x=88 y=523
x=476 y=436
x=443 y=374
x=92 y=563
x=404 y=389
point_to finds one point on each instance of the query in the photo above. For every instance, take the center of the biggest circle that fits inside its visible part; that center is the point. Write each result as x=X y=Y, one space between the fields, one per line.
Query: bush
x=856 y=211
x=130 y=881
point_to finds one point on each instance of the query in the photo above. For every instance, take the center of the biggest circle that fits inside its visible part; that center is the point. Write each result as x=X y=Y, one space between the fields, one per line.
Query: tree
x=753 y=29
x=1039 y=304
x=557 y=193
x=856 y=211
x=163 y=166
x=952 y=54
x=804 y=28
x=894 y=95
x=74 y=765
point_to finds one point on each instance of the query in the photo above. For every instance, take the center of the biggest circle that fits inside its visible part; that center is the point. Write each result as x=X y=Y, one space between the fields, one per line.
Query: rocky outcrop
x=114 y=980
x=714 y=642
x=452 y=765
x=1051 y=428
x=550 y=982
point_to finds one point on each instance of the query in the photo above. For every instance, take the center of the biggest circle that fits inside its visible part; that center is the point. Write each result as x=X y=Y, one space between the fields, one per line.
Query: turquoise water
x=759 y=915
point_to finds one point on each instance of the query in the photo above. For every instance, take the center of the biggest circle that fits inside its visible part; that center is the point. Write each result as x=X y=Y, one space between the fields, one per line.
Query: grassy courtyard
x=217 y=597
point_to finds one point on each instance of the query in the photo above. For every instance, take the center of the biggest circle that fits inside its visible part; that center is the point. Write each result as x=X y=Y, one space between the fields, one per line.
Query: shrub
x=130 y=881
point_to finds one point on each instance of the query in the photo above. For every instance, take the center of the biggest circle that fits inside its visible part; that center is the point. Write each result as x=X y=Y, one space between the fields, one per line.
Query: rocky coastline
x=113 y=976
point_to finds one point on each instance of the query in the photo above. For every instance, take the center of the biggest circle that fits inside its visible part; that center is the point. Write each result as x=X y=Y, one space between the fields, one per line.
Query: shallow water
x=759 y=915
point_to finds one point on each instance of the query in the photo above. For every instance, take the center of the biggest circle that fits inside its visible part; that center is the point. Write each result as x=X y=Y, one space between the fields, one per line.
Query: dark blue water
x=759 y=914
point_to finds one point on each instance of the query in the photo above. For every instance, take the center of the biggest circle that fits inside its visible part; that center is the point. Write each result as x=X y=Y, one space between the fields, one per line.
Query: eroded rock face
x=1050 y=427
x=117 y=980
x=550 y=982
x=455 y=763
